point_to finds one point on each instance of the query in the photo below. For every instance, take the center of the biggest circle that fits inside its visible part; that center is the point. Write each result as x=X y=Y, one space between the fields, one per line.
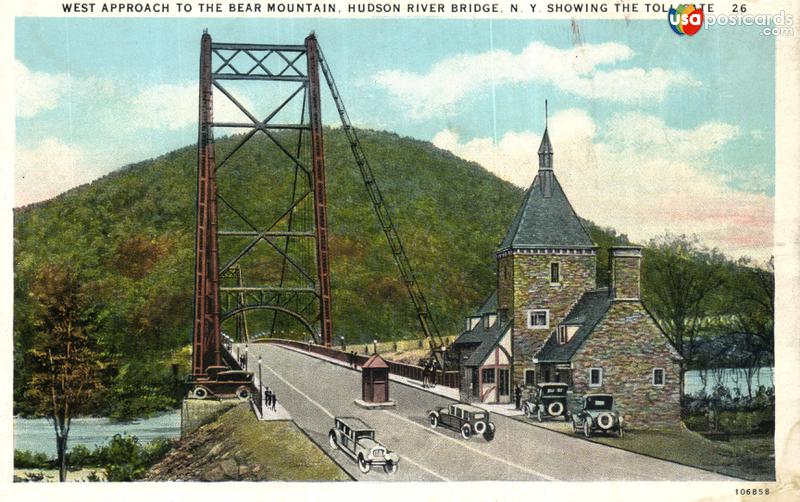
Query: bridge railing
x=412 y=371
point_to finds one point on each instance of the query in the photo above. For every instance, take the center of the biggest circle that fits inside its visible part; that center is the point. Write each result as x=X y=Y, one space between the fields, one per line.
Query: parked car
x=464 y=418
x=357 y=439
x=221 y=383
x=598 y=415
x=547 y=400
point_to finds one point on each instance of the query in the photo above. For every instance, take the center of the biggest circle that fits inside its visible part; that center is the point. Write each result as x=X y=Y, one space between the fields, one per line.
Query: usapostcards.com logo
x=685 y=19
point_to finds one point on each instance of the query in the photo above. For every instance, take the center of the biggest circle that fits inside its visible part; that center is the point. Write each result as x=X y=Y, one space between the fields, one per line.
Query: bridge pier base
x=198 y=412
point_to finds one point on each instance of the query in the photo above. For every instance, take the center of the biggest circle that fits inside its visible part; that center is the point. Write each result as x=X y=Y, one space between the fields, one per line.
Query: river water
x=37 y=434
x=731 y=378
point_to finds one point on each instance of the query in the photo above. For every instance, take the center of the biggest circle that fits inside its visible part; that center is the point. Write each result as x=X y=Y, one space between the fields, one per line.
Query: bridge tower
x=290 y=278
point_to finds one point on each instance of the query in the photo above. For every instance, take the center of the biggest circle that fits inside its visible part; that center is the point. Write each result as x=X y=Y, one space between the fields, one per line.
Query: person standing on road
x=518 y=395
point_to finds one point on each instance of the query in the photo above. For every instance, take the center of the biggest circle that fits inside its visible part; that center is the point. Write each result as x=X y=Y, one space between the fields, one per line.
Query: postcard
x=489 y=250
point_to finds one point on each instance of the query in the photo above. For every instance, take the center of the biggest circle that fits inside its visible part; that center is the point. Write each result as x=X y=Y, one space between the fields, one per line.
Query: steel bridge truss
x=223 y=290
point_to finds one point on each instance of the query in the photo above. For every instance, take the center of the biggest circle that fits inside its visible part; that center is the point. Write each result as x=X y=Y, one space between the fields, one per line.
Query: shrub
x=25 y=459
x=124 y=458
x=81 y=456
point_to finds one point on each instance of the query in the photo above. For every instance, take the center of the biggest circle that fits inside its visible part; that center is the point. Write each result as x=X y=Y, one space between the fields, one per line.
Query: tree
x=680 y=279
x=752 y=289
x=680 y=282
x=66 y=372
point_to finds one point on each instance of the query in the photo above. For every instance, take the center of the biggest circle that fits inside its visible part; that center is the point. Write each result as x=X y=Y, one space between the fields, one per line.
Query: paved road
x=314 y=391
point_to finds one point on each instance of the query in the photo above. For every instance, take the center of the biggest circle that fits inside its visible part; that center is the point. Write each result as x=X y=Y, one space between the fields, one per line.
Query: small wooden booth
x=375 y=380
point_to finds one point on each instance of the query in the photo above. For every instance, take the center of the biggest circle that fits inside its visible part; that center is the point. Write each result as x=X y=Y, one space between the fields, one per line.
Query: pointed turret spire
x=546 y=160
x=545 y=148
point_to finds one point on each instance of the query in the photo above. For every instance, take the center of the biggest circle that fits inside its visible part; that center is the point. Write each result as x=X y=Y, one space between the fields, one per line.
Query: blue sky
x=622 y=95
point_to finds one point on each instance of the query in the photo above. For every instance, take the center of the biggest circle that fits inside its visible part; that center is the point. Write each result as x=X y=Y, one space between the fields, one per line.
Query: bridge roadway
x=314 y=391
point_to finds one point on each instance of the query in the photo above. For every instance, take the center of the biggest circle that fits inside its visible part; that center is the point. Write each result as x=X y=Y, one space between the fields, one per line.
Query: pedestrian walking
x=434 y=367
x=266 y=397
x=518 y=395
x=274 y=401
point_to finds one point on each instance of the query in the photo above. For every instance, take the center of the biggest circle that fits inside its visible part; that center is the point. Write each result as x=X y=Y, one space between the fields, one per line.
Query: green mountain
x=131 y=236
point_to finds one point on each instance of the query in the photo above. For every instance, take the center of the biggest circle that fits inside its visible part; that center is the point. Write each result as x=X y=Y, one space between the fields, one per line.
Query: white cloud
x=574 y=70
x=161 y=106
x=50 y=168
x=37 y=92
x=174 y=106
x=637 y=175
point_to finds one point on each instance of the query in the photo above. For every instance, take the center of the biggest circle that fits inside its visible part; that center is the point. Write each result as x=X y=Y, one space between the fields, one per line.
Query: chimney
x=626 y=269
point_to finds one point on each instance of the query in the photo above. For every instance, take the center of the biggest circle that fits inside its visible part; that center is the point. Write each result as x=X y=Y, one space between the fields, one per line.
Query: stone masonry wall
x=626 y=272
x=627 y=345
x=505 y=283
x=532 y=290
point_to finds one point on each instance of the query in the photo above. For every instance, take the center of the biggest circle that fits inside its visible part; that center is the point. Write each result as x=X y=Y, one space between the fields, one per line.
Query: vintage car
x=598 y=415
x=547 y=400
x=221 y=383
x=464 y=418
x=357 y=439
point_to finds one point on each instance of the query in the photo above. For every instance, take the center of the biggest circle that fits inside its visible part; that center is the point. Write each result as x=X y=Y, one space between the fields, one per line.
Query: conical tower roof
x=546 y=219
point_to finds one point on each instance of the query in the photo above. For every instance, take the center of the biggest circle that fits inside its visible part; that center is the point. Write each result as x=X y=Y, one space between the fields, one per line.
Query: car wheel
x=574 y=426
x=363 y=465
x=526 y=411
x=539 y=415
x=200 y=393
x=390 y=468
x=332 y=440
x=619 y=431
x=433 y=420
x=466 y=431
x=587 y=428
x=555 y=409
x=242 y=393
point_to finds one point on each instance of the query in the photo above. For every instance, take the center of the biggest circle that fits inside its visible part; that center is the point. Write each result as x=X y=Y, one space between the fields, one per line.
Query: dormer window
x=488 y=320
x=561 y=334
x=555 y=273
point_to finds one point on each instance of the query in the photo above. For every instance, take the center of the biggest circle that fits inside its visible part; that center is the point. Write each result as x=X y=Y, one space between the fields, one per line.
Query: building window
x=595 y=377
x=658 y=377
x=530 y=378
x=538 y=319
x=562 y=334
x=488 y=375
x=555 y=273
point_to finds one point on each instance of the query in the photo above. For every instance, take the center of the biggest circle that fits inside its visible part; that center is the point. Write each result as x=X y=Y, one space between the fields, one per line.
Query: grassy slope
x=747 y=457
x=262 y=451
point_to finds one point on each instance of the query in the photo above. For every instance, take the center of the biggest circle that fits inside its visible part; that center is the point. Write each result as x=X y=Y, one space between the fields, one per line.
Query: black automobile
x=547 y=400
x=464 y=418
x=598 y=415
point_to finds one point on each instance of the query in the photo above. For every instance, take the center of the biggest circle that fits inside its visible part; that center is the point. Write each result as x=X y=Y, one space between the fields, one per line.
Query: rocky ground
x=237 y=447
